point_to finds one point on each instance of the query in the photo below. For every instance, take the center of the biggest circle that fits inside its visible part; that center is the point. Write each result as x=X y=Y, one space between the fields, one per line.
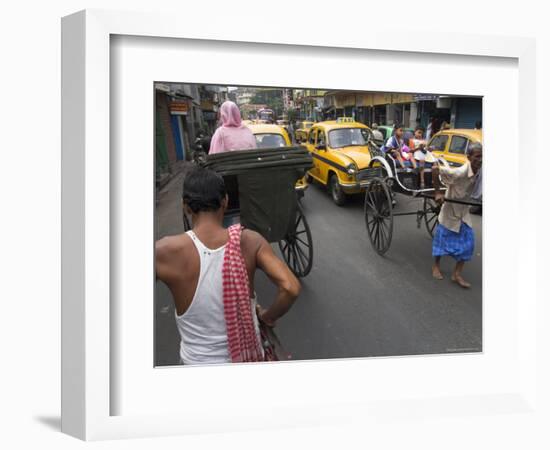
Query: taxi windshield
x=269 y=140
x=346 y=137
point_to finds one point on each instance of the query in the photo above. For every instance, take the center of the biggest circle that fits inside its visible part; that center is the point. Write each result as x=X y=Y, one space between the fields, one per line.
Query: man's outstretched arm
x=279 y=273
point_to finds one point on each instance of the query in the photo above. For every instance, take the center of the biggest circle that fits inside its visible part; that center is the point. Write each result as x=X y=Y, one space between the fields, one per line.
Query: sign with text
x=179 y=107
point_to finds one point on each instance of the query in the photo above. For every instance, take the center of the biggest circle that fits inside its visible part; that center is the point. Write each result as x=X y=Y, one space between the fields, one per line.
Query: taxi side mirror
x=321 y=147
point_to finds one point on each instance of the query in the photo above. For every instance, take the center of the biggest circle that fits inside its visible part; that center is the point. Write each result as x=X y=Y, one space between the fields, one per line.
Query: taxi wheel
x=379 y=215
x=431 y=214
x=338 y=195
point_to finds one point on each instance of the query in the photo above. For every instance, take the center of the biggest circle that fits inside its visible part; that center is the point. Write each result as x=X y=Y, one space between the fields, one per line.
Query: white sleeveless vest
x=202 y=327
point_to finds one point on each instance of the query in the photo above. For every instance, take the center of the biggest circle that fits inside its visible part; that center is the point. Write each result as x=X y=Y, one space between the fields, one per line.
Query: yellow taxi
x=283 y=123
x=302 y=130
x=451 y=144
x=341 y=156
x=270 y=136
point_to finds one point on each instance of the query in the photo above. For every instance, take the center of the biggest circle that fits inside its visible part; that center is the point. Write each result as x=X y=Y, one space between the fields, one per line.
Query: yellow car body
x=283 y=123
x=302 y=130
x=341 y=156
x=269 y=136
x=451 y=144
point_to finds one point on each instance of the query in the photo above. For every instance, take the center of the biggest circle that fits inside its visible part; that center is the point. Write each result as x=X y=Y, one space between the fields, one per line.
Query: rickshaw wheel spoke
x=303 y=242
x=379 y=215
x=431 y=213
x=297 y=250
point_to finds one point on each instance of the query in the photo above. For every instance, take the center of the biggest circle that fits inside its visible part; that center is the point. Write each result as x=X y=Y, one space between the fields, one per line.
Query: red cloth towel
x=244 y=345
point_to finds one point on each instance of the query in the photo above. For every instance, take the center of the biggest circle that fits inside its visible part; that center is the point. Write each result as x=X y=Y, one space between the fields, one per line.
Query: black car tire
x=336 y=192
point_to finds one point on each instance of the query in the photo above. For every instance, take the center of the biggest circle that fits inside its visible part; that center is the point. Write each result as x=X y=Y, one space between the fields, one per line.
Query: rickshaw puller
x=454 y=235
x=210 y=273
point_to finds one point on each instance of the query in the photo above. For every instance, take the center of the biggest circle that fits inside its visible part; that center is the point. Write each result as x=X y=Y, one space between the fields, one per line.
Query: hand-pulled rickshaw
x=386 y=178
x=261 y=188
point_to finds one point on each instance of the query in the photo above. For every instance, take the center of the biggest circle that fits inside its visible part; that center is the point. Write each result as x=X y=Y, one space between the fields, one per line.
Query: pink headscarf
x=233 y=134
x=230 y=114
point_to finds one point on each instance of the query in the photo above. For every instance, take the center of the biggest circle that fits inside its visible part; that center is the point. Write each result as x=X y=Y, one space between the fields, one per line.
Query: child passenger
x=396 y=147
x=422 y=155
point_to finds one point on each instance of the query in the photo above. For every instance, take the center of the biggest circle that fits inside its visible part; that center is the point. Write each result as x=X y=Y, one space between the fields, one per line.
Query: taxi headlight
x=351 y=169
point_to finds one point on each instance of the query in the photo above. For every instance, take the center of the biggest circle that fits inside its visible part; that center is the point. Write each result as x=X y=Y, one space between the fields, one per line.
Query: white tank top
x=202 y=327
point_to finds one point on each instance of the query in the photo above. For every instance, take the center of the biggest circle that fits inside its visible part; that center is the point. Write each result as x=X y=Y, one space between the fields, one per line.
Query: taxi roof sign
x=344 y=119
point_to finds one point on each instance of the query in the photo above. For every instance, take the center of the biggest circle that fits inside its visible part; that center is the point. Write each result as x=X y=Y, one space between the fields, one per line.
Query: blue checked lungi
x=458 y=245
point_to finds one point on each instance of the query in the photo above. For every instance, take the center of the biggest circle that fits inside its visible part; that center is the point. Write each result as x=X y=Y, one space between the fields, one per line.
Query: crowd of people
x=210 y=269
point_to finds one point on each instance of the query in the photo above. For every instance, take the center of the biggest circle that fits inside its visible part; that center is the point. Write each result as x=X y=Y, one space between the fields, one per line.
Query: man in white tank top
x=190 y=264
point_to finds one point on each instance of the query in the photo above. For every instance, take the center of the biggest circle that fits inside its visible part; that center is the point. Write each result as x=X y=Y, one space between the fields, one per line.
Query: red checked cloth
x=243 y=342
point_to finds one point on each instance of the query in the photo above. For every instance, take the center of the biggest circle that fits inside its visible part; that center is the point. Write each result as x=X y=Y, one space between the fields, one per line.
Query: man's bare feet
x=436 y=273
x=460 y=281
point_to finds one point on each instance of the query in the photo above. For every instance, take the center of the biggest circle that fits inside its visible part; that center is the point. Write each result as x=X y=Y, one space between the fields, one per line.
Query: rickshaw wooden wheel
x=379 y=215
x=297 y=246
x=431 y=214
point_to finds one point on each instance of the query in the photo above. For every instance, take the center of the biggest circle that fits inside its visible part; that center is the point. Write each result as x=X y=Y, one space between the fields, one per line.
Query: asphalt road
x=355 y=303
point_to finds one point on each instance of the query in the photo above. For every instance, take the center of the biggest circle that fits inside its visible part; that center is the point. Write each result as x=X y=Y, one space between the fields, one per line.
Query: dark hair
x=476 y=146
x=397 y=126
x=203 y=190
x=419 y=128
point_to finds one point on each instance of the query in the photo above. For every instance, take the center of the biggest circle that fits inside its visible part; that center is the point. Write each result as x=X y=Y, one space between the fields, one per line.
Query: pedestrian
x=232 y=134
x=376 y=133
x=210 y=272
x=429 y=129
x=206 y=139
x=291 y=132
x=433 y=127
x=454 y=235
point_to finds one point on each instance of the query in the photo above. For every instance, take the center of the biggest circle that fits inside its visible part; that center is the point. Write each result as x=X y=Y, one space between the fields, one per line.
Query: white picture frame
x=87 y=353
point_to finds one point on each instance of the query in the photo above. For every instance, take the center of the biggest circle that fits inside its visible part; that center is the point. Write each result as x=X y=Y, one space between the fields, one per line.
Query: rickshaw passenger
x=423 y=157
x=395 y=146
x=232 y=134
x=210 y=272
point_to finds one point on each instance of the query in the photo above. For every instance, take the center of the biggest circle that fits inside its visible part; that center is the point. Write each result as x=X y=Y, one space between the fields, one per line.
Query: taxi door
x=439 y=145
x=310 y=145
x=321 y=149
x=456 y=150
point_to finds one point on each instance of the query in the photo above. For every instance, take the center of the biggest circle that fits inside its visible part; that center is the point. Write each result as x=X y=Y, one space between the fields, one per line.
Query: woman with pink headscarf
x=233 y=134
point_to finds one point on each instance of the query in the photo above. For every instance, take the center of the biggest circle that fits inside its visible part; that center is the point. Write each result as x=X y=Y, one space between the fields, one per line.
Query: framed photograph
x=263 y=231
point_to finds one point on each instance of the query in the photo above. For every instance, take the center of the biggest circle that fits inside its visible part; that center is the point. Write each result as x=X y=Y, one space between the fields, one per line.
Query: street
x=354 y=303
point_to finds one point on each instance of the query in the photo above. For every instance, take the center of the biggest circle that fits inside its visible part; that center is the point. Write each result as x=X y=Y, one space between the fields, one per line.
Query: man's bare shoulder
x=251 y=240
x=169 y=247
